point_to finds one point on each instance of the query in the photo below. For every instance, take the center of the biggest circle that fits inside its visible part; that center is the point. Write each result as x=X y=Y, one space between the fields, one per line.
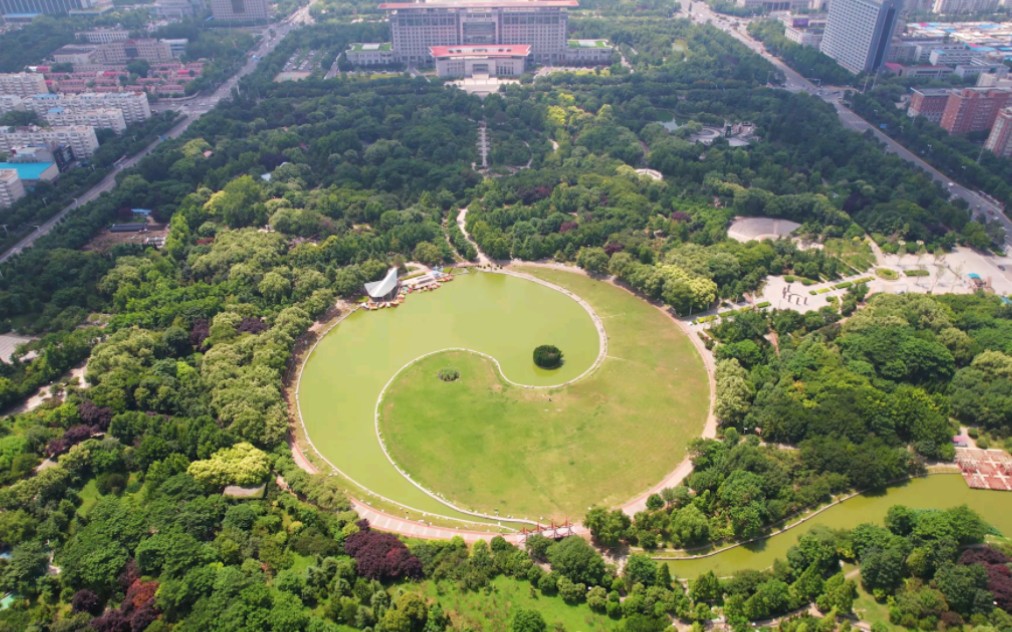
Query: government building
x=469 y=37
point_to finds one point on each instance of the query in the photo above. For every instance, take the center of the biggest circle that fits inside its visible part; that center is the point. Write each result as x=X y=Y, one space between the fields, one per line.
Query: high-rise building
x=953 y=7
x=47 y=7
x=973 y=109
x=11 y=188
x=858 y=32
x=22 y=84
x=999 y=142
x=240 y=11
x=417 y=26
x=80 y=138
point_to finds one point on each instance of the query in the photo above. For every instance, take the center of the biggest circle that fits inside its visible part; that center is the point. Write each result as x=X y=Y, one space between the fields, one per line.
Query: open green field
x=536 y=452
x=938 y=491
x=492 y=611
x=642 y=406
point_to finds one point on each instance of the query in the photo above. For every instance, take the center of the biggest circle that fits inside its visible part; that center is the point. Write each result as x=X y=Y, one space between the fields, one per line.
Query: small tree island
x=547 y=356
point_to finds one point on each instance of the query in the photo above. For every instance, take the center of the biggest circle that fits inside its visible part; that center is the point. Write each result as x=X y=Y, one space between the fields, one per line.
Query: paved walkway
x=462 y=223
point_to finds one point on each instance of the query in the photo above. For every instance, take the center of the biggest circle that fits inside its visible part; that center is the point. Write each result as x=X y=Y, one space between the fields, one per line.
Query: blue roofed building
x=31 y=173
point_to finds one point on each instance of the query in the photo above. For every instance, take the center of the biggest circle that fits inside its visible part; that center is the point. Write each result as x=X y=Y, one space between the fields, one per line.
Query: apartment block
x=22 y=84
x=109 y=118
x=133 y=105
x=11 y=188
x=10 y=103
x=973 y=109
x=999 y=141
x=80 y=138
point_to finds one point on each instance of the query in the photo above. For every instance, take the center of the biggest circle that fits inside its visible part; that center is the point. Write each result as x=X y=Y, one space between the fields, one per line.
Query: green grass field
x=640 y=409
x=492 y=610
x=540 y=453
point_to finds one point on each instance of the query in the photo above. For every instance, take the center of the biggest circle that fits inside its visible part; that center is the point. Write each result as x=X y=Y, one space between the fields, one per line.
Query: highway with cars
x=982 y=207
x=190 y=109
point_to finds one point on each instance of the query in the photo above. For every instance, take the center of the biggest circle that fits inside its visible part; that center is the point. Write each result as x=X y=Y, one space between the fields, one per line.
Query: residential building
x=541 y=24
x=80 y=138
x=467 y=61
x=999 y=142
x=75 y=54
x=134 y=105
x=376 y=54
x=11 y=189
x=929 y=104
x=954 y=7
x=46 y=7
x=858 y=32
x=973 y=109
x=10 y=103
x=109 y=118
x=103 y=36
x=23 y=84
x=240 y=11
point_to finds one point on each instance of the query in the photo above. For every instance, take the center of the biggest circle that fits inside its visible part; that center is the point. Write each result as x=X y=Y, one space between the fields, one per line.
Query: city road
x=191 y=110
x=794 y=82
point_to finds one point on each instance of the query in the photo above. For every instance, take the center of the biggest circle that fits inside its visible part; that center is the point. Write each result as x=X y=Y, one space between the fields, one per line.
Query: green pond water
x=939 y=491
x=502 y=316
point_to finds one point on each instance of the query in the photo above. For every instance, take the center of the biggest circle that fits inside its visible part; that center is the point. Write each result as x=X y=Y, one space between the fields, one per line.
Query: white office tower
x=858 y=32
